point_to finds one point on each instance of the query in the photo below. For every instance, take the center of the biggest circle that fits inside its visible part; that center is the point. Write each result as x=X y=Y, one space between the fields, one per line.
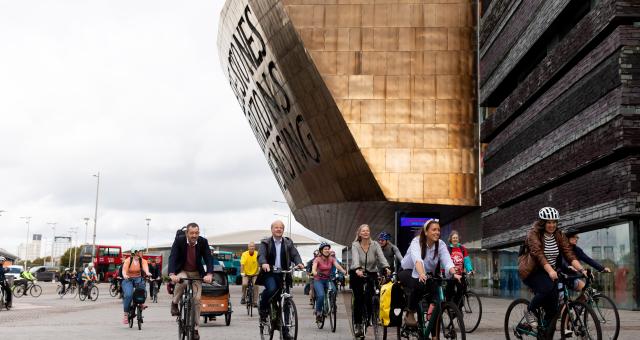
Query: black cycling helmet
x=322 y=245
x=384 y=236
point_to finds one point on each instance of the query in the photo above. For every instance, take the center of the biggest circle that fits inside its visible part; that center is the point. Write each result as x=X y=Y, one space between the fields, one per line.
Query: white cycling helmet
x=135 y=249
x=549 y=213
x=2 y=259
x=90 y=265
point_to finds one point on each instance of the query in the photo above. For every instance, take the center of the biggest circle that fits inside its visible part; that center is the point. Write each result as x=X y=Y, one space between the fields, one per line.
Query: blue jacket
x=178 y=255
x=582 y=257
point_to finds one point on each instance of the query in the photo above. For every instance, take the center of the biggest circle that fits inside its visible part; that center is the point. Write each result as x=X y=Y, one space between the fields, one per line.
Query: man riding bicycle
x=132 y=270
x=578 y=285
x=275 y=253
x=65 y=279
x=156 y=276
x=4 y=285
x=89 y=275
x=249 y=271
x=368 y=258
x=189 y=254
x=322 y=267
x=391 y=253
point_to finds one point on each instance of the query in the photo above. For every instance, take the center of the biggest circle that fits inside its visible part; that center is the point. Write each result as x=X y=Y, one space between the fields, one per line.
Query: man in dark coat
x=275 y=253
x=189 y=255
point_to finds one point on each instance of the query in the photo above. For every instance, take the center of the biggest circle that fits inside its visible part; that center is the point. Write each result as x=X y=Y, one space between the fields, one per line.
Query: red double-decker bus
x=108 y=259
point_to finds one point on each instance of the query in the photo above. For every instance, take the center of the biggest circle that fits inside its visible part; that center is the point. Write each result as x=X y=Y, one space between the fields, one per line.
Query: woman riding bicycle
x=462 y=264
x=367 y=259
x=544 y=245
x=132 y=270
x=322 y=266
x=426 y=254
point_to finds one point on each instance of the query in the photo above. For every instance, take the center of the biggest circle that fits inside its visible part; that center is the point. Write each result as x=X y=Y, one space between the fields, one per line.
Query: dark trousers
x=416 y=290
x=455 y=290
x=546 y=295
x=357 y=286
x=272 y=283
x=7 y=292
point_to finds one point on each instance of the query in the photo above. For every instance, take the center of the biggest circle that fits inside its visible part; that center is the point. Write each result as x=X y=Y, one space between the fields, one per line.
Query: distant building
x=11 y=258
x=34 y=248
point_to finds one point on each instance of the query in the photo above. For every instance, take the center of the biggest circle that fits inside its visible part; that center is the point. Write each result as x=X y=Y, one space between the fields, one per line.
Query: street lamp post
x=53 y=240
x=86 y=228
x=148 y=220
x=288 y=216
x=95 y=217
x=26 y=245
x=74 y=231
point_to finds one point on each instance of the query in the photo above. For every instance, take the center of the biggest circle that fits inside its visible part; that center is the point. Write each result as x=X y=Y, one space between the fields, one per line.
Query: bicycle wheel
x=581 y=320
x=515 y=326
x=113 y=290
x=289 y=319
x=608 y=315
x=72 y=291
x=249 y=300
x=139 y=315
x=354 y=322
x=450 y=323
x=82 y=293
x=93 y=293
x=35 y=290
x=156 y=290
x=59 y=290
x=333 y=311
x=181 y=322
x=375 y=317
x=471 y=309
x=18 y=291
x=130 y=315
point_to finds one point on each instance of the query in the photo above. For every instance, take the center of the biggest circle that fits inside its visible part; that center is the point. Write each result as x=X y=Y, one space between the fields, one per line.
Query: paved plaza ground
x=49 y=317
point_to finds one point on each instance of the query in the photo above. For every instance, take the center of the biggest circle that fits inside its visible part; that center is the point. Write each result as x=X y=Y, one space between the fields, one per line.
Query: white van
x=14 y=272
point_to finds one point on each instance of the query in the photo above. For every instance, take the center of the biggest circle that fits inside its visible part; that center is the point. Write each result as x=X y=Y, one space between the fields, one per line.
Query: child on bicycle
x=462 y=263
x=321 y=270
x=427 y=253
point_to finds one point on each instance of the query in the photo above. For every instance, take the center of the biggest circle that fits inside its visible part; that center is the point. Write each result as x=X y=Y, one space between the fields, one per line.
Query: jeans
x=546 y=295
x=320 y=286
x=127 y=288
x=272 y=282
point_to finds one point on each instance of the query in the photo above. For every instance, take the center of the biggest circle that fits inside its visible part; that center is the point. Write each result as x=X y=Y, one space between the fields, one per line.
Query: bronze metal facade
x=361 y=107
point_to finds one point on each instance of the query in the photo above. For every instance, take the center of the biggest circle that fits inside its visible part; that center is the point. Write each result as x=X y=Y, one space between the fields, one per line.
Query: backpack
x=392 y=302
x=181 y=232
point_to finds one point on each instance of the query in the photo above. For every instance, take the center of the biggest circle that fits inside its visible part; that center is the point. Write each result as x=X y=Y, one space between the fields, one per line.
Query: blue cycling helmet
x=384 y=236
x=322 y=245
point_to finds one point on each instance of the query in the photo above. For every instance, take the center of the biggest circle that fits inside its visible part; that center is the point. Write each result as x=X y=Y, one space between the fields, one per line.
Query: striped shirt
x=551 y=250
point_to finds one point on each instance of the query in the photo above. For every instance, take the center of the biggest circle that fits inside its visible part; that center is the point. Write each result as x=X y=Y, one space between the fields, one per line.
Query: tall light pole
x=95 y=217
x=86 y=228
x=148 y=220
x=288 y=216
x=74 y=231
x=53 y=240
x=26 y=245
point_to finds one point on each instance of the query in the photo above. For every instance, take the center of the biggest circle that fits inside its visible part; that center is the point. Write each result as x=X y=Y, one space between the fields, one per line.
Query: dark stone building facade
x=560 y=95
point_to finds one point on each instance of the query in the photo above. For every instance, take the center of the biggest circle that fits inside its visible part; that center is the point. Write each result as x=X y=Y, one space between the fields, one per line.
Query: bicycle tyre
x=181 y=322
x=610 y=328
x=35 y=291
x=82 y=294
x=579 y=306
x=130 y=316
x=509 y=328
x=450 y=322
x=18 y=291
x=333 y=312
x=139 y=316
x=355 y=322
x=469 y=299
x=113 y=290
x=72 y=291
x=189 y=320
x=94 y=293
x=293 y=317
x=375 y=317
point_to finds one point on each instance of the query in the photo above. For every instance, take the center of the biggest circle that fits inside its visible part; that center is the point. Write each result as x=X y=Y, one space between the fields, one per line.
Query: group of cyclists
x=547 y=251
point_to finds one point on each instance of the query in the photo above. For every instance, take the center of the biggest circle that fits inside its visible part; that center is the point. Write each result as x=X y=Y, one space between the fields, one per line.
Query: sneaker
x=125 y=319
x=319 y=318
x=531 y=319
x=144 y=306
x=568 y=333
x=358 y=331
x=174 y=309
x=196 y=336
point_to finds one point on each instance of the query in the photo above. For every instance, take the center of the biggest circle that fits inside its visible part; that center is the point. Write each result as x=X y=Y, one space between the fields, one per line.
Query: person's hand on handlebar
x=266 y=268
x=422 y=277
x=174 y=278
x=300 y=266
x=360 y=272
x=208 y=278
x=606 y=270
x=387 y=271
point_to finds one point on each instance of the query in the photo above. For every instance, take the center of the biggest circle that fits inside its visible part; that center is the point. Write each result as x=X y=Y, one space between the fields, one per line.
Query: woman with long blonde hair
x=367 y=258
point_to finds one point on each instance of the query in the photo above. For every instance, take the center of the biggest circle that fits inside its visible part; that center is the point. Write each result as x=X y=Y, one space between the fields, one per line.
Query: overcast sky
x=132 y=89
